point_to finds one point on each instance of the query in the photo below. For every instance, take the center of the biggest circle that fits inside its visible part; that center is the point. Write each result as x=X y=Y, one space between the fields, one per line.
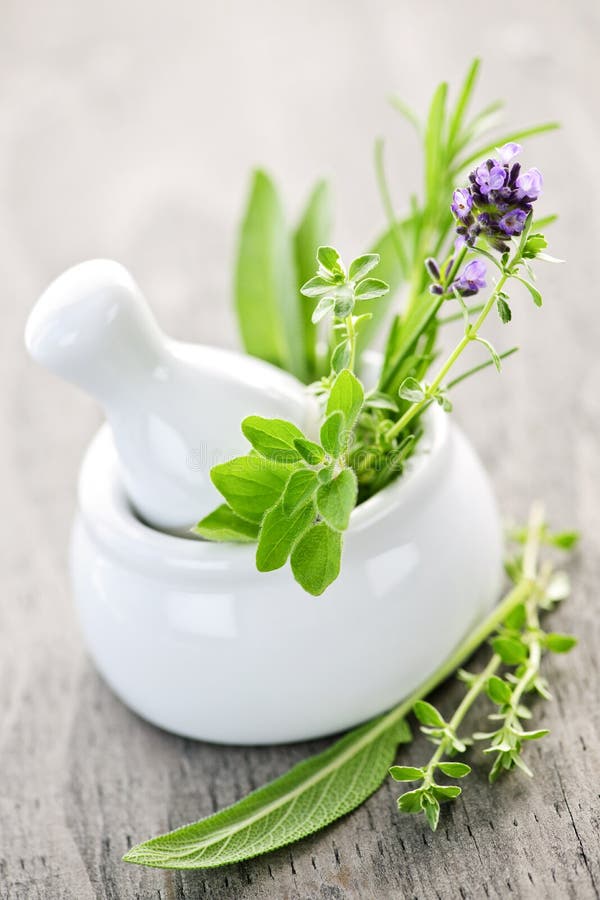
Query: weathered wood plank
x=105 y=149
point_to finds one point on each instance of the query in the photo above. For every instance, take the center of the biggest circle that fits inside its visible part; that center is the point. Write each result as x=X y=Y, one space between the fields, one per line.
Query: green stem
x=350 y=331
x=470 y=335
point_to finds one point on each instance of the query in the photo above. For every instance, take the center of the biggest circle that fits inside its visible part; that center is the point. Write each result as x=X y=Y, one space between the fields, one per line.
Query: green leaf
x=454 y=769
x=536 y=296
x=510 y=650
x=406 y=773
x=411 y=390
x=484 y=150
x=371 y=289
x=337 y=499
x=224 y=525
x=498 y=690
x=273 y=438
x=362 y=265
x=316 y=558
x=428 y=714
x=559 y=643
x=309 y=451
x=329 y=260
x=456 y=121
x=446 y=791
x=431 y=808
x=266 y=285
x=347 y=396
x=310 y=796
x=315 y=287
x=434 y=142
x=279 y=532
x=323 y=307
x=410 y=802
x=564 y=540
x=250 y=484
x=333 y=434
x=300 y=489
x=340 y=357
x=314 y=229
x=504 y=310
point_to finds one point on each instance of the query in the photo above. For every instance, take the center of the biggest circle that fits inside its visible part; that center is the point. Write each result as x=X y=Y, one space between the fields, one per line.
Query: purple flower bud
x=432 y=268
x=462 y=203
x=490 y=177
x=436 y=289
x=472 y=277
x=529 y=184
x=508 y=151
x=513 y=222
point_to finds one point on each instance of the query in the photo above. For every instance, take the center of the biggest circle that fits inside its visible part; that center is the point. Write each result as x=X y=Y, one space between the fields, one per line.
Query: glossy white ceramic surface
x=175 y=409
x=194 y=639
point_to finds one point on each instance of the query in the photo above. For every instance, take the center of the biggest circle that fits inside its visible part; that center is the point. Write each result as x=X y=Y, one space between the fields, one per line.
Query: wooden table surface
x=127 y=130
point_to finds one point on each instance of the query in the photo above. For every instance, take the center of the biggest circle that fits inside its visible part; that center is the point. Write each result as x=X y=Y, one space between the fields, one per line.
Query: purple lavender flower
x=462 y=203
x=513 y=221
x=471 y=279
x=529 y=184
x=508 y=152
x=490 y=176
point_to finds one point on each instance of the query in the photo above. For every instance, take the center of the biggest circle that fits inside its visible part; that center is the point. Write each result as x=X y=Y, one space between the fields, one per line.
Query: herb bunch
x=325 y=787
x=293 y=494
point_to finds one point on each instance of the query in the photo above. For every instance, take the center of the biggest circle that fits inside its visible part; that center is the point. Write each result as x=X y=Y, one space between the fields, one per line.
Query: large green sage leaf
x=266 y=284
x=310 y=796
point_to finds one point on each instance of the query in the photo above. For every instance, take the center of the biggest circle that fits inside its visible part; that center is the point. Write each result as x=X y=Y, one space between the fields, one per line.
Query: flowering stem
x=470 y=335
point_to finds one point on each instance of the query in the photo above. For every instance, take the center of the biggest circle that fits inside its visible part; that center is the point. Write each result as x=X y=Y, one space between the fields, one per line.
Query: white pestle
x=175 y=409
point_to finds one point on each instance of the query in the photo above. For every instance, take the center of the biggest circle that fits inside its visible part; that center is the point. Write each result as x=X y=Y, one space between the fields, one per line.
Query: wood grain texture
x=127 y=129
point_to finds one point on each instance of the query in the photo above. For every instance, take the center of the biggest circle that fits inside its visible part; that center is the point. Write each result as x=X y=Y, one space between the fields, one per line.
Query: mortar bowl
x=191 y=637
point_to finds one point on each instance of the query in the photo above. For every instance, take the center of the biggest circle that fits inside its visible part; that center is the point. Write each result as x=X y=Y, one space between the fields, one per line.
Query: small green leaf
x=533 y=735
x=428 y=714
x=323 y=307
x=309 y=451
x=279 y=532
x=411 y=390
x=431 y=808
x=340 y=357
x=273 y=438
x=299 y=490
x=347 y=396
x=454 y=769
x=559 y=643
x=510 y=650
x=250 y=484
x=316 y=287
x=446 y=791
x=333 y=434
x=537 y=297
x=329 y=260
x=564 y=540
x=516 y=618
x=410 y=802
x=406 y=773
x=337 y=499
x=498 y=690
x=316 y=558
x=224 y=525
x=504 y=310
x=360 y=266
x=371 y=289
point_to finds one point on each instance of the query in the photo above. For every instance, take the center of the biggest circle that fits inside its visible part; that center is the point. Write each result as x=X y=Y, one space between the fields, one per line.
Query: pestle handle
x=93 y=327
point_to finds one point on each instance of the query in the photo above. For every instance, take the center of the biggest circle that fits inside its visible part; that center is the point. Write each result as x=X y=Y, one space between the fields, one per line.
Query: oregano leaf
x=299 y=489
x=337 y=499
x=454 y=769
x=273 y=438
x=427 y=714
x=222 y=524
x=346 y=396
x=309 y=451
x=316 y=558
x=406 y=773
x=333 y=433
x=250 y=484
x=278 y=534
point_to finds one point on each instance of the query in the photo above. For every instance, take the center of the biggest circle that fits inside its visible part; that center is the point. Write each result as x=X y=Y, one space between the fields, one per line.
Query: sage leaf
x=273 y=438
x=316 y=558
x=299 y=490
x=266 y=285
x=310 y=796
x=314 y=229
x=337 y=499
x=333 y=433
x=250 y=484
x=278 y=534
x=346 y=396
x=224 y=525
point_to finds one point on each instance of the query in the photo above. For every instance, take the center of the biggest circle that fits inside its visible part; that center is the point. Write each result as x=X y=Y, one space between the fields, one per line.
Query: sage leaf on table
x=310 y=796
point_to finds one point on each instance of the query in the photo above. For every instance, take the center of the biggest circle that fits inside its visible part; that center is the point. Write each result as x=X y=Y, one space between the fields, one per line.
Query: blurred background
x=128 y=130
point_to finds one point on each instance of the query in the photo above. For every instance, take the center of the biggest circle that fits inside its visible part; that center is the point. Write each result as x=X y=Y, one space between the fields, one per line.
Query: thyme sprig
x=511 y=673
